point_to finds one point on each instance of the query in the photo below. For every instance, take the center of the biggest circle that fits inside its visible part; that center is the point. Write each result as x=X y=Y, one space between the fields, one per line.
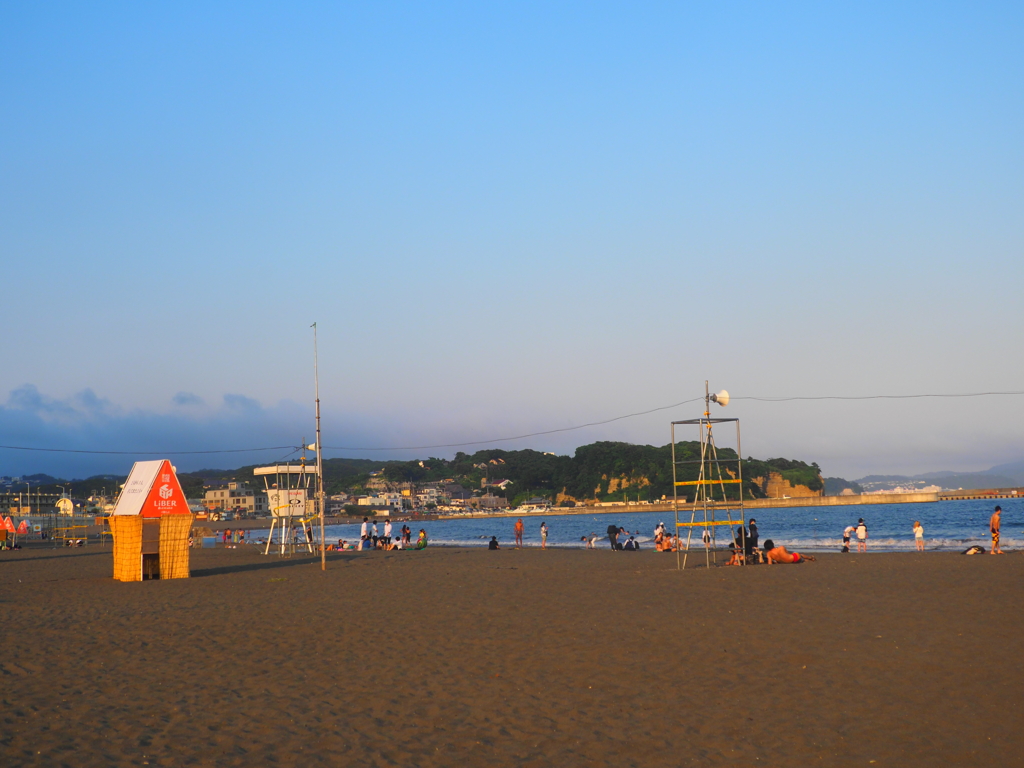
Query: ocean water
x=948 y=526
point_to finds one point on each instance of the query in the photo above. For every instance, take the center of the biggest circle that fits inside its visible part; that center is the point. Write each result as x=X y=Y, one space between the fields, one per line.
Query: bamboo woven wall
x=127 y=530
x=174 y=550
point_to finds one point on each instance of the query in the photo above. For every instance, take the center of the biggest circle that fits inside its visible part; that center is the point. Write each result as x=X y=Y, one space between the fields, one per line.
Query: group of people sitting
x=745 y=550
x=743 y=546
x=665 y=542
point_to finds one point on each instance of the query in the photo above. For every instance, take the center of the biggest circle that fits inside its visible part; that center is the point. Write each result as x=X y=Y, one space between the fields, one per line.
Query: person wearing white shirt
x=847 y=533
x=387 y=531
x=862 y=536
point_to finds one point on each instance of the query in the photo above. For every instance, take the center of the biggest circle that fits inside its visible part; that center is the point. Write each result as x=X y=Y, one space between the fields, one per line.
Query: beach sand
x=456 y=657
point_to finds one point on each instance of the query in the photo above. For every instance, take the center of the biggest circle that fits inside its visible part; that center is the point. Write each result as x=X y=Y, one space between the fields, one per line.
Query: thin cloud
x=187 y=399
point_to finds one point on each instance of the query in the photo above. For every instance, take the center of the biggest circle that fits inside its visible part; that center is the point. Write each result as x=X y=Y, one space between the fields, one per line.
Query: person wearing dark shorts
x=613 y=536
x=993 y=527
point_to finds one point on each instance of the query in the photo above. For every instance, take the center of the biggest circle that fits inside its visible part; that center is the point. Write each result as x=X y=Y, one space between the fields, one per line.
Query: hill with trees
x=603 y=471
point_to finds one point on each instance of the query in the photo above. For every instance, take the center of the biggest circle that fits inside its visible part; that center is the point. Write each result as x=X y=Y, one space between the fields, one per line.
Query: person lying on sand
x=774 y=554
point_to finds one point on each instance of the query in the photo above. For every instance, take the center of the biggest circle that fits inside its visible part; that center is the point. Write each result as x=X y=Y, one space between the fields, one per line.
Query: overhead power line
x=667 y=407
x=876 y=397
x=516 y=437
x=520 y=437
x=144 y=453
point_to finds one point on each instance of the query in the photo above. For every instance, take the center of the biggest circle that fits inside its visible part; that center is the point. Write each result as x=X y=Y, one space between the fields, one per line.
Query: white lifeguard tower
x=288 y=494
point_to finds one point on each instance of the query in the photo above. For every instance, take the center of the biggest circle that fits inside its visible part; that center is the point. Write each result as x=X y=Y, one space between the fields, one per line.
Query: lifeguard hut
x=151 y=523
x=289 y=502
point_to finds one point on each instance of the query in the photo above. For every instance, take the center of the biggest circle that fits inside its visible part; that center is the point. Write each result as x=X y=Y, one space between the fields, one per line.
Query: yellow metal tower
x=713 y=504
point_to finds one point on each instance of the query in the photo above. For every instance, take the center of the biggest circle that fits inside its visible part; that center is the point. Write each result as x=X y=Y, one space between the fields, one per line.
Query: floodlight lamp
x=722 y=398
x=311 y=447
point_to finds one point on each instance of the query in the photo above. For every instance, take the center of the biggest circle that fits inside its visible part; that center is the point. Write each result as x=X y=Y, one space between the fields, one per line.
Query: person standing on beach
x=364 y=530
x=862 y=536
x=519 y=533
x=752 y=538
x=613 y=536
x=543 y=535
x=387 y=531
x=993 y=527
x=919 y=536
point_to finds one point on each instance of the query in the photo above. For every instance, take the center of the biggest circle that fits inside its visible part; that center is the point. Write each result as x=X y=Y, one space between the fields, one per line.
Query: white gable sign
x=135 y=491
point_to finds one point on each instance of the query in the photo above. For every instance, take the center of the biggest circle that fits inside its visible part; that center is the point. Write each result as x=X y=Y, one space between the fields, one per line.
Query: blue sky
x=508 y=218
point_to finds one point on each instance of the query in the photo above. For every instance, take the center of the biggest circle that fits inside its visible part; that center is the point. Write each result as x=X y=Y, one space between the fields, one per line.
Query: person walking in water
x=919 y=536
x=543 y=535
x=993 y=527
x=519 y=533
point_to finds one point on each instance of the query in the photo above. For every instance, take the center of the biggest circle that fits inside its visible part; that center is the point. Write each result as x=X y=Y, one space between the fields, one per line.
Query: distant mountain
x=42 y=479
x=1014 y=470
x=945 y=479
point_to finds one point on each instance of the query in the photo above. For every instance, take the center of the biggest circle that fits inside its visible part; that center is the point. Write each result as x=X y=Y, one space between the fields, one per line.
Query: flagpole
x=319 y=458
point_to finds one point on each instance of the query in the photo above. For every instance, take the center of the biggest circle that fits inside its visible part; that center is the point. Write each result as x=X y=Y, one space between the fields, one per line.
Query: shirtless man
x=993 y=527
x=519 y=533
x=780 y=555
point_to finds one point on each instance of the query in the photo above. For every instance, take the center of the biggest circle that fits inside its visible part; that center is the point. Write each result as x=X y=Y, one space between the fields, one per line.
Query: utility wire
x=145 y=453
x=666 y=408
x=876 y=397
x=519 y=437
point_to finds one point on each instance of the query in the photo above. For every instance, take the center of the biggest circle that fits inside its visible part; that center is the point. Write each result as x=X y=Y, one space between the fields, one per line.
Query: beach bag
x=975 y=550
x=846 y=548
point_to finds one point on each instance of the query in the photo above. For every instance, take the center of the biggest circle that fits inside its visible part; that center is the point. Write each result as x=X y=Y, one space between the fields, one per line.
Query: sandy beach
x=452 y=657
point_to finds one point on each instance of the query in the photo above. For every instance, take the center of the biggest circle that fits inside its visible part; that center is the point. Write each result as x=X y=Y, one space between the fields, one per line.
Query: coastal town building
x=489 y=502
x=238 y=498
x=392 y=501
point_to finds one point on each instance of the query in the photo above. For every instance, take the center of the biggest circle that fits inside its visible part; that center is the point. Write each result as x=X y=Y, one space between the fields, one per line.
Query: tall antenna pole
x=319 y=458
